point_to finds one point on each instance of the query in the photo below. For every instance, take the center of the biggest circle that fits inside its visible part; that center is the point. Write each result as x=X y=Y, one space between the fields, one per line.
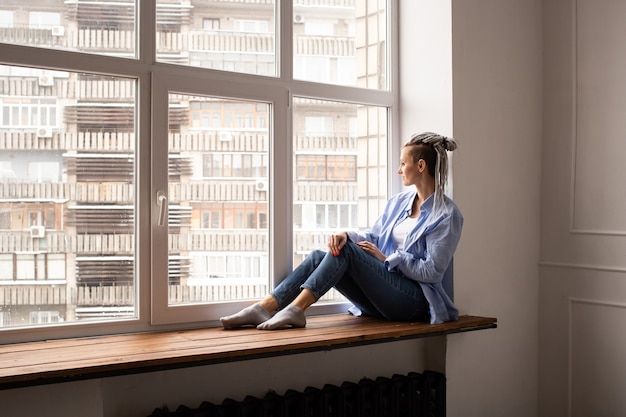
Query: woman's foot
x=249 y=316
x=290 y=316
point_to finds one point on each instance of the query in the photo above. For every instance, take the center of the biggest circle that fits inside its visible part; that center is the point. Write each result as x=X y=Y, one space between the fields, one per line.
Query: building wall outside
x=67 y=242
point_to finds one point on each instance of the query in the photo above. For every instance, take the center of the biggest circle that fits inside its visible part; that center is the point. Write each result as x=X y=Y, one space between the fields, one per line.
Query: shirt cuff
x=392 y=261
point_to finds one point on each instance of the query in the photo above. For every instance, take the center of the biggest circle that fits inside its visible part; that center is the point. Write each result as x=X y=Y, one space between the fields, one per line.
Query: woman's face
x=408 y=168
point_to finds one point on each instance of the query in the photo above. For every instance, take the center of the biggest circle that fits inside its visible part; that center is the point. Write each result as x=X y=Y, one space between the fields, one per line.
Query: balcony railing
x=257 y=43
x=32 y=295
x=62 y=242
x=328 y=3
x=321 y=191
x=179 y=294
x=122 y=90
x=331 y=144
x=211 y=141
x=190 y=142
x=123 y=295
x=108 y=192
x=214 y=191
x=31 y=36
x=16 y=241
x=124 y=244
x=83 y=141
x=220 y=240
x=123 y=41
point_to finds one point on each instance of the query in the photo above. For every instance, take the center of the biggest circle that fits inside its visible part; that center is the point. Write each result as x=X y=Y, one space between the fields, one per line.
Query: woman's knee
x=316 y=256
x=349 y=248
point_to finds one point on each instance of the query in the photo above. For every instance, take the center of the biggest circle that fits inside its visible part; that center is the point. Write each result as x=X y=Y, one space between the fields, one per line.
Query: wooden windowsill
x=57 y=361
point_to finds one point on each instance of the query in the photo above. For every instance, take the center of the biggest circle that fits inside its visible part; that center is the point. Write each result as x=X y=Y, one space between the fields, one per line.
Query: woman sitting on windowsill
x=400 y=269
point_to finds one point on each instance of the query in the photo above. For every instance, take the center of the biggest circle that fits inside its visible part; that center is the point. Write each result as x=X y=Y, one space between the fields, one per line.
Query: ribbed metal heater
x=412 y=395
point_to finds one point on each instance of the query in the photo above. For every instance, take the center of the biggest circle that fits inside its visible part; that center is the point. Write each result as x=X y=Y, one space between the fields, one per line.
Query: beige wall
x=583 y=253
x=497 y=115
x=486 y=91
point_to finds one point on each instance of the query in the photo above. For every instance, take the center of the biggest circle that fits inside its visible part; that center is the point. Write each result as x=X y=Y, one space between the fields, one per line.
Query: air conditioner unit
x=45 y=80
x=298 y=18
x=37 y=231
x=58 y=30
x=225 y=136
x=44 y=132
x=261 y=185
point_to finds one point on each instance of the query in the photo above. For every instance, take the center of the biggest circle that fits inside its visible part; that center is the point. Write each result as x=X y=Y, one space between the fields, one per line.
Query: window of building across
x=166 y=184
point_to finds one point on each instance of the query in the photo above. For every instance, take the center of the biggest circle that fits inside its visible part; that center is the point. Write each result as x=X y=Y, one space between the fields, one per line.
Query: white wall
x=495 y=57
x=583 y=269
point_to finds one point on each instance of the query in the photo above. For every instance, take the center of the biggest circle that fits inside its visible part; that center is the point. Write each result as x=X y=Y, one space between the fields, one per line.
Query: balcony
x=32 y=295
x=83 y=141
x=103 y=296
x=220 y=241
x=122 y=42
x=31 y=36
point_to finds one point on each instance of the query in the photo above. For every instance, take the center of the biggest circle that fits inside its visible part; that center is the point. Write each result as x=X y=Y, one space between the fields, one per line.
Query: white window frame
x=278 y=97
x=155 y=81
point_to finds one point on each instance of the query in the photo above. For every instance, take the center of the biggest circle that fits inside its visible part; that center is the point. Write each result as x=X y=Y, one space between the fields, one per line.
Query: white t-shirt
x=401 y=229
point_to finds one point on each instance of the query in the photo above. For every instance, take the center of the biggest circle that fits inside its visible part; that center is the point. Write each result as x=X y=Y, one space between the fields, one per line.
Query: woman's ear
x=421 y=165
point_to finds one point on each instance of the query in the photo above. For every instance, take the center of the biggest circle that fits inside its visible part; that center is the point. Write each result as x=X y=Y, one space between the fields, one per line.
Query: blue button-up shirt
x=428 y=248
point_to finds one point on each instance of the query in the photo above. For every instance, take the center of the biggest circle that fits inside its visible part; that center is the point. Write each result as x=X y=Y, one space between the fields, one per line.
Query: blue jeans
x=362 y=279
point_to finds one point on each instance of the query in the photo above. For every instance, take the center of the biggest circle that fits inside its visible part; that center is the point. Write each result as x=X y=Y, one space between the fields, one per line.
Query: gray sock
x=290 y=316
x=249 y=316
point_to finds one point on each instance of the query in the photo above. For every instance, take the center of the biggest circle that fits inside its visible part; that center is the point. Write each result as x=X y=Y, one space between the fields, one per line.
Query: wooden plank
x=66 y=360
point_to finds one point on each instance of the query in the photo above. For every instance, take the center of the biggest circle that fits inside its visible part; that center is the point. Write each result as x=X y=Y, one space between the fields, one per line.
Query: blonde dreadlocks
x=433 y=149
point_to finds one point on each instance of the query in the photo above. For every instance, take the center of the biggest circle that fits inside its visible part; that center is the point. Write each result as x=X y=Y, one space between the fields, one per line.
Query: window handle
x=162 y=202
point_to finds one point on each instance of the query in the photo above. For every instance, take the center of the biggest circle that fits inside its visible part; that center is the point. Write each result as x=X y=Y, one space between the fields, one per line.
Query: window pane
x=344 y=45
x=341 y=172
x=98 y=27
x=218 y=200
x=66 y=196
x=224 y=35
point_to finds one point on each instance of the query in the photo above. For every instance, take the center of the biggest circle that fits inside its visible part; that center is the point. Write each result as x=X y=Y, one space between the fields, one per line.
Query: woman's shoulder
x=451 y=207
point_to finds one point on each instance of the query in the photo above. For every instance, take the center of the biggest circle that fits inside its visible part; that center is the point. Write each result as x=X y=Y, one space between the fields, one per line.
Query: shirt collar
x=426 y=206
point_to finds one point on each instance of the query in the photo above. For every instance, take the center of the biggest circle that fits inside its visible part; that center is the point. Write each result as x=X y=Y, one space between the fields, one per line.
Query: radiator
x=415 y=395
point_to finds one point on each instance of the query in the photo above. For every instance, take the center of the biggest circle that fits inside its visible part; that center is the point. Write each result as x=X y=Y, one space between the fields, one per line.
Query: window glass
x=37 y=19
x=218 y=35
x=341 y=45
x=67 y=195
x=97 y=27
x=6 y=18
x=341 y=171
x=218 y=203
x=241 y=153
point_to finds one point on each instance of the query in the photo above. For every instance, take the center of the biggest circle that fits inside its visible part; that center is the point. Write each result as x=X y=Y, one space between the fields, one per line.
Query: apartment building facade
x=68 y=143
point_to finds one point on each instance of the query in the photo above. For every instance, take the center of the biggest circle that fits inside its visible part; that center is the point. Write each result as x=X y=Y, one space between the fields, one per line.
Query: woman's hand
x=336 y=242
x=372 y=249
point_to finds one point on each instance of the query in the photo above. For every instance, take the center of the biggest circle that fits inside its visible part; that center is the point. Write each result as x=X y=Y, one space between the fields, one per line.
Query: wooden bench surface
x=54 y=361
